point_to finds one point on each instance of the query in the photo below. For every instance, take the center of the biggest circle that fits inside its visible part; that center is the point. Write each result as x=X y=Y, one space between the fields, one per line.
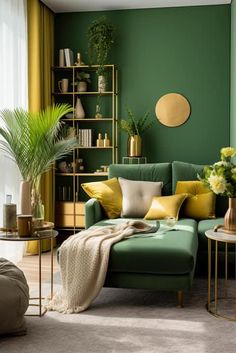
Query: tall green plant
x=34 y=140
x=100 y=41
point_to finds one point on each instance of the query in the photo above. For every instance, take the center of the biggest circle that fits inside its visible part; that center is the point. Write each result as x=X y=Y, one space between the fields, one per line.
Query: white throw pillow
x=137 y=196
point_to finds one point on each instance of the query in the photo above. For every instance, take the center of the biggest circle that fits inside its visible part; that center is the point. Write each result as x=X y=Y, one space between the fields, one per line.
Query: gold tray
x=44 y=226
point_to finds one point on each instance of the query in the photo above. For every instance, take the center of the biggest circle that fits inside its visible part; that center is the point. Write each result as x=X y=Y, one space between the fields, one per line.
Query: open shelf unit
x=69 y=195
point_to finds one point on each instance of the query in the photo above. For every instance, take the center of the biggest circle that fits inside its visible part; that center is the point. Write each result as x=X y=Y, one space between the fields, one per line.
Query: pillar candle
x=9 y=216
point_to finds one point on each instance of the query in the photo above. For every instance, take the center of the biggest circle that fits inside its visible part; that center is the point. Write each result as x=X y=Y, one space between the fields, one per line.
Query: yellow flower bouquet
x=221 y=176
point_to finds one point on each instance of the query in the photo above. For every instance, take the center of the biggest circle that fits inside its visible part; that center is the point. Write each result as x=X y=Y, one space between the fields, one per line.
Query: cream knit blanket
x=83 y=262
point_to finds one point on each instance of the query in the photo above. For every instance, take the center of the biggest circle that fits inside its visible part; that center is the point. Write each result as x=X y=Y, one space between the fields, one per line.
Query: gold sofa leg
x=180 y=298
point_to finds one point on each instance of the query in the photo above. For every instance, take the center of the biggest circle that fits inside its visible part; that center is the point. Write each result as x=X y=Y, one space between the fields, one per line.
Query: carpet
x=123 y=320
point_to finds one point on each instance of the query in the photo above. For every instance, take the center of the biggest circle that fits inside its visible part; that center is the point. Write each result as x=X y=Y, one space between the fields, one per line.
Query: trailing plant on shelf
x=135 y=126
x=82 y=77
x=35 y=141
x=100 y=41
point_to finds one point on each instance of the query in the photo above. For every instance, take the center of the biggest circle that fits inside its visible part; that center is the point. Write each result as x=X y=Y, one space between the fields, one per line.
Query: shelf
x=81 y=67
x=87 y=119
x=83 y=93
x=94 y=147
x=83 y=174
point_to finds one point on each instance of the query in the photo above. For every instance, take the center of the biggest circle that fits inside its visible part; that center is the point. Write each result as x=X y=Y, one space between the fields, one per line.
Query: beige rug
x=129 y=321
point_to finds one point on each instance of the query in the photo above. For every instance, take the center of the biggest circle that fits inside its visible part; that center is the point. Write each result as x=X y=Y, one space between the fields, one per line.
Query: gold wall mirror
x=172 y=109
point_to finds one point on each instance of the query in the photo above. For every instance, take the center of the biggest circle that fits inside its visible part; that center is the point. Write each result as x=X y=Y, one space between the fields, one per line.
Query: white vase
x=101 y=84
x=25 y=198
x=79 y=110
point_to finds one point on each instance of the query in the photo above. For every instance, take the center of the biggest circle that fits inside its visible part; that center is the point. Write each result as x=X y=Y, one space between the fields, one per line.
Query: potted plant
x=34 y=141
x=135 y=127
x=81 y=81
x=100 y=41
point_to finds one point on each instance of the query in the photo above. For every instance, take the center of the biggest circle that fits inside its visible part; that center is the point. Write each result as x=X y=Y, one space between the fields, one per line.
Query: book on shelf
x=69 y=57
x=85 y=137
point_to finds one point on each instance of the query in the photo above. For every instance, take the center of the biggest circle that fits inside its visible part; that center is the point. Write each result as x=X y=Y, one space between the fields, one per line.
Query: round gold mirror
x=172 y=109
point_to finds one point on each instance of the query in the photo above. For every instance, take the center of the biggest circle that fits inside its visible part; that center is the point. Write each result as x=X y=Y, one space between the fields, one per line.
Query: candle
x=9 y=214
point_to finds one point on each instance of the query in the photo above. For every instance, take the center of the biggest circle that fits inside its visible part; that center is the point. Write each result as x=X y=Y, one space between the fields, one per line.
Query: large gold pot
x=134 y=148
x=230 y=217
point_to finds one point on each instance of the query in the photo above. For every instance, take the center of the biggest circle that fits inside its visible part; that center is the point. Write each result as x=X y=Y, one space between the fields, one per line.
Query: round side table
x=39 y=235
x=220 y=306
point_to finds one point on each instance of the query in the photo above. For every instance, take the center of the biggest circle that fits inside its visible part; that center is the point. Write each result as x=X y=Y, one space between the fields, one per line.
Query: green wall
x=233 y=77
x=185 y=50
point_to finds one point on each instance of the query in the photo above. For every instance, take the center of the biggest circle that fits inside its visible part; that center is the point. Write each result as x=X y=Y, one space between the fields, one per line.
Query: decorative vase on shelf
x=134 y=148
x=101 y=84
x=79 y=110
x=230 y=217
x=25 y=198
x=82 y=86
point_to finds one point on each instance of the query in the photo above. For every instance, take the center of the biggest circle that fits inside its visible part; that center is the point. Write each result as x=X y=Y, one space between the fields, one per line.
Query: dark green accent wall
x=184 y=50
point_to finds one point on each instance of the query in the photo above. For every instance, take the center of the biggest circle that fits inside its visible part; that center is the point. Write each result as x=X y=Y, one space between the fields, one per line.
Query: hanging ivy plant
x=100 y=41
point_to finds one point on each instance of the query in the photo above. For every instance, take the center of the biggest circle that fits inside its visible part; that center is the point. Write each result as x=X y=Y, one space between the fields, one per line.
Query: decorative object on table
x=106 y=141
x=81 y=81
x=9 y=214
x=172 y=109
x=63 y=85
x=135 y=127
x=79 y=110
x=100 y=42
x=99 y=141
x=221 y=179
x=24 y=225
x=35 y=141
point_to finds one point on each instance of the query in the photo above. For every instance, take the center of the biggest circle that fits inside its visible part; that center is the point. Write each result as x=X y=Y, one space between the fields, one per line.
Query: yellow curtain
x=40 y=61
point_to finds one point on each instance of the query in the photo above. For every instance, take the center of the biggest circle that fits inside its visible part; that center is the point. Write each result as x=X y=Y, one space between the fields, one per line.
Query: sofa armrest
x=93 y=212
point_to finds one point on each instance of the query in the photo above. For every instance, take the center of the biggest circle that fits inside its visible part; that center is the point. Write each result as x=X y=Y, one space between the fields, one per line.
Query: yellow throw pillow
x=164 y=206
x=200 y=203
x=108 y=193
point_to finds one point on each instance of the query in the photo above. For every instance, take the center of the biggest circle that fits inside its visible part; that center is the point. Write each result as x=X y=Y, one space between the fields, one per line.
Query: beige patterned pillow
x=137 y=196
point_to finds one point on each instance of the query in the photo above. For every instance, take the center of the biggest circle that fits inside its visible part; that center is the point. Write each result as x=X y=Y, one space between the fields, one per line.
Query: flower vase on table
x=221 y=179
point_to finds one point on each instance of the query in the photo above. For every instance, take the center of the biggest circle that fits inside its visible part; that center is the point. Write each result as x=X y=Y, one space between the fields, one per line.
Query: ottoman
x=14 y=299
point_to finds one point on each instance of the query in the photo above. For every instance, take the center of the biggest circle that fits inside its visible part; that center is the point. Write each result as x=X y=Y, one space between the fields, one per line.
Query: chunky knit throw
x=83 y=262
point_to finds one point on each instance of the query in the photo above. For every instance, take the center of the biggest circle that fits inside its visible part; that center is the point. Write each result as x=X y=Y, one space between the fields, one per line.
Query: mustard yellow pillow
x=108 y=193
x=200 y=203
x=164 y=206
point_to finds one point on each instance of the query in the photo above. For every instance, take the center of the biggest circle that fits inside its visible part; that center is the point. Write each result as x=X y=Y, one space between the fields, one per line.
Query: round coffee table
x=220 y=306
x=39 y=235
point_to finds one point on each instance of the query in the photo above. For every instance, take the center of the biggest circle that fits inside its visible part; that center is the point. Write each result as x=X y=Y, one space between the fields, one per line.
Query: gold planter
x=134 y=146
x=230 y=217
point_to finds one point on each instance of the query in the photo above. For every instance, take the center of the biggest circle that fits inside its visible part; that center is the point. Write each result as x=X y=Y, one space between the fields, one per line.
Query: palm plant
x=34 y=140
x=135 y=126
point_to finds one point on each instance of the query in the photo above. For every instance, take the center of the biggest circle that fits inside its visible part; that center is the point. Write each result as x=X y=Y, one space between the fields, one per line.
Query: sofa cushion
x=146 y=172
x=137 y=196
x=200 y=203
x=187 y=171
x=164 y=206
x=170 y=252
x=108 y=193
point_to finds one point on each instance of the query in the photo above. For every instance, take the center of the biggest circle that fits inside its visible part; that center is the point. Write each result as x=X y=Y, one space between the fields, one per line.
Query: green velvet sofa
x=165 y=262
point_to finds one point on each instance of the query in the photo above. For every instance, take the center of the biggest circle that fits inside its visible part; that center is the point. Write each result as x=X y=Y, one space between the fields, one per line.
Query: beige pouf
x=14 y=299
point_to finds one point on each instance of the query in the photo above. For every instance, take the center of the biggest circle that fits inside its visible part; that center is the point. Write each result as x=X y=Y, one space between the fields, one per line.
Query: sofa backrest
x=146 y=172
x=186 y=171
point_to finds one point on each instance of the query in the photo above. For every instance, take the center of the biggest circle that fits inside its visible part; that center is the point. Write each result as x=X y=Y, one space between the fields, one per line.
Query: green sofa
x=165 y=262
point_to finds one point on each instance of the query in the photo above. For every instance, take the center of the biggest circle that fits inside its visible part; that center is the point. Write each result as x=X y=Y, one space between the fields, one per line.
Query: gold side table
x=39 y=236
x=223 y=306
